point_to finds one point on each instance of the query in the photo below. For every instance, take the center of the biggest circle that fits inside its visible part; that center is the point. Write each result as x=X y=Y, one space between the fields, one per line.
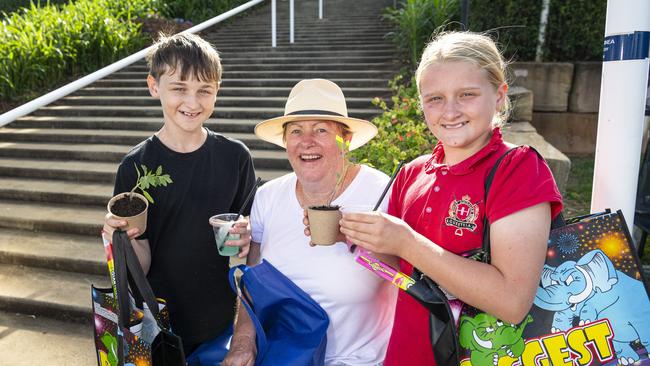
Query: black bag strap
x=442 y=328
x=486 y=254
x=129 y=272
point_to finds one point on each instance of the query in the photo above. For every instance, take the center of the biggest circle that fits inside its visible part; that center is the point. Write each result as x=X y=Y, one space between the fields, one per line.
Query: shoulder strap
x=486 y=224
x=556 y=223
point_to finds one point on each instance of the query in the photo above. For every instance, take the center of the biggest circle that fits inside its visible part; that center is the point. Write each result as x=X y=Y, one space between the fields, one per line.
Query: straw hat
x=316 y=99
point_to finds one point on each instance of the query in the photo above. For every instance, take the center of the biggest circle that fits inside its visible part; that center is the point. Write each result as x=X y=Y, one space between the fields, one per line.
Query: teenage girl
x=437 y=202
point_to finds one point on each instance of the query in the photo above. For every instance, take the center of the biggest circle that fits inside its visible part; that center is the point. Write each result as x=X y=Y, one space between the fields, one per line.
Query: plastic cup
x=221 y=224
x=356 y=208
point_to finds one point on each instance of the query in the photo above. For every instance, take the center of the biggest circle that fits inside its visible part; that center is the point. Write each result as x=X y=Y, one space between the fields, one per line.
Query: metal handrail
x=61 y=92
x=274 y=36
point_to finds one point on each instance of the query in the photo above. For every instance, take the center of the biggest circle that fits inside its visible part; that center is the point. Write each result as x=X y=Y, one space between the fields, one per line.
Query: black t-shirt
x=186 y=269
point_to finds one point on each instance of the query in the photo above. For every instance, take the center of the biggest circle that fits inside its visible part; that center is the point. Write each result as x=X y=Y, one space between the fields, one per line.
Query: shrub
x=512 y=24
x=416 y=20
x=403 y=135
x=8 y=6
x=575 y=30
x=41 y=46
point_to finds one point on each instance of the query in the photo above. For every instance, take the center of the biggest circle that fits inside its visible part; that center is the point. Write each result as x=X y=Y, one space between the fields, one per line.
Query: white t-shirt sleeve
x=257 y=217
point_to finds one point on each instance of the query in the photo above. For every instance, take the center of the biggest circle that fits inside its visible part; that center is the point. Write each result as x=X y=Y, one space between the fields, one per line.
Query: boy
x=211 y=174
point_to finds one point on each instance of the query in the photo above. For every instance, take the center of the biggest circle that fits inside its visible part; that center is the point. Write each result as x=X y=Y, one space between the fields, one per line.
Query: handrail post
x=274 y=28
x=291 y=21
x=320 y=9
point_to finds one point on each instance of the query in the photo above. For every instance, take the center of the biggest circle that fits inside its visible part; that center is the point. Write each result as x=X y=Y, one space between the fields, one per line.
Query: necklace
x=306 y=200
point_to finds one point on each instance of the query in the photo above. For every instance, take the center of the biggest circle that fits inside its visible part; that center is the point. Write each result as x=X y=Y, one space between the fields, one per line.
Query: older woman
x=359 y=304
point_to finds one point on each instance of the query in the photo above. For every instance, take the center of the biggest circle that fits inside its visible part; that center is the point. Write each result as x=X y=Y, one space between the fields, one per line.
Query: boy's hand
x=111 y=223
x=243 y=228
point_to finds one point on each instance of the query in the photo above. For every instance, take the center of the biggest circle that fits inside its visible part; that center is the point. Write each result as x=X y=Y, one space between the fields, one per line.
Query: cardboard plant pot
x=131 y=207
x=324 y=224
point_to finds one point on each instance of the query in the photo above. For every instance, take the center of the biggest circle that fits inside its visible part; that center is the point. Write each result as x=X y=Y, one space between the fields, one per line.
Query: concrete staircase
x=58 y=164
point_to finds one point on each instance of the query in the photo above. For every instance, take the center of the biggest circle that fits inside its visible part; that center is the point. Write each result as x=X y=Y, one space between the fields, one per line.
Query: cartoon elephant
x=592 y=289
x=488 y=339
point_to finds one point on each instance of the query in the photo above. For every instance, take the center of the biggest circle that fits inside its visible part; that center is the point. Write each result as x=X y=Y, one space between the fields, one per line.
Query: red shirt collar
x=466 y=166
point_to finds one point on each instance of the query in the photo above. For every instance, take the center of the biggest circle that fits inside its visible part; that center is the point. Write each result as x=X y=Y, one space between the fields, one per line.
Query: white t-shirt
x=360 y=304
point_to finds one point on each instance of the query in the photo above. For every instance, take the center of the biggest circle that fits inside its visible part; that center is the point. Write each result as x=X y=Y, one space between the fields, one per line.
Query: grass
x=577 y=199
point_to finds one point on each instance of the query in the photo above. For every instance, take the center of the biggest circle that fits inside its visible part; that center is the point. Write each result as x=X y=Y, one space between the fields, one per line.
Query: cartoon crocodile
x=488 y=339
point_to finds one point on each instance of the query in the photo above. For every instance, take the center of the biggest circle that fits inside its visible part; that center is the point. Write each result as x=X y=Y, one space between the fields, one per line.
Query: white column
x=291 y=21
x=320 y=9
x=622 y=106
x=274 y=28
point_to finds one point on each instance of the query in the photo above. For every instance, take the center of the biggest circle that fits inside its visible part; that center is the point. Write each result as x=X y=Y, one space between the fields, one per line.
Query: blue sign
x=631 y=46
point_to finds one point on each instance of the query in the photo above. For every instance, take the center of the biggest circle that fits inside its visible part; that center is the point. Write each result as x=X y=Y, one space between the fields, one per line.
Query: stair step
x=271 y=52
x=86 y=136
x=50 y=293
x=228 y=92
x=222 y=101
x=125 y=123
x=262 y=74
x=29 y=340
x=294 y=66
x=113 y=153
x=79 y=171
x=75 y=171
x=156 y=111
x=278 y=82
x=73 y=219
x=56 y=191
x=64 y=252
x=272 y=59
x=301 y=42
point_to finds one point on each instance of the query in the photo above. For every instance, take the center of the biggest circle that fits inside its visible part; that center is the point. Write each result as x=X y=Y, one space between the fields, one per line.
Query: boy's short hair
x=194 y=56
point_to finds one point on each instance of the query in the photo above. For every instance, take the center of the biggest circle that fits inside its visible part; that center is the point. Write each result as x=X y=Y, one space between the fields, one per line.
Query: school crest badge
x=462 y=215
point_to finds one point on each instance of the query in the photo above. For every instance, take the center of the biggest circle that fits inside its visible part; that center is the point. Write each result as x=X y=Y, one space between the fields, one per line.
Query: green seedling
x=149 y=178
x=344 y=149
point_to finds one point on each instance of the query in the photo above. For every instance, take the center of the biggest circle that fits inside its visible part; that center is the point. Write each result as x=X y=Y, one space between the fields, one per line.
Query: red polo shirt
x=446 y=204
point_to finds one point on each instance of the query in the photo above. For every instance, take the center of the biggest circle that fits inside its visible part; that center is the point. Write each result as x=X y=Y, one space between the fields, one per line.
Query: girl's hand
x=377 y=232
x=243 y=228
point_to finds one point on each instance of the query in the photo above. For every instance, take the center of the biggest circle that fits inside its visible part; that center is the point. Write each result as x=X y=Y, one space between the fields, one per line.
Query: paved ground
x=24 y=342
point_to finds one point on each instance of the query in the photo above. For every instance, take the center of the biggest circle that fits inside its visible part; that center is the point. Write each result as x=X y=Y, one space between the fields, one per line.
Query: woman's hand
x=377 y=232
x=307 y=231
x=242 y=352
x=243 y=228
x=112 y=223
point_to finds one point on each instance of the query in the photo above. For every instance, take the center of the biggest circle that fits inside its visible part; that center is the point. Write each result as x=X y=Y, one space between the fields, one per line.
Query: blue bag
x=291 y=327
x=211 y=352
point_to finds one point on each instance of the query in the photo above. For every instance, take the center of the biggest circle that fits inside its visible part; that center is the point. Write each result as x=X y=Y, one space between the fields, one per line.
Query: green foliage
x=42 y=45
x=198 y=10
x=403 y=135
x=8 y=6
x=575 y=30
x=514 y=25
x=149 y=178
x=416 y=20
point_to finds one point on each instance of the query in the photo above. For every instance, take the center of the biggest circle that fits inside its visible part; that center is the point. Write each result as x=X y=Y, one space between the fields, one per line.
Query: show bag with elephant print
x=591 y=307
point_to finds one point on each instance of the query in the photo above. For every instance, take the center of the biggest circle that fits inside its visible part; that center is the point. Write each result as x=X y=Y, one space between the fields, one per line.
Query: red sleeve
x=522 y=180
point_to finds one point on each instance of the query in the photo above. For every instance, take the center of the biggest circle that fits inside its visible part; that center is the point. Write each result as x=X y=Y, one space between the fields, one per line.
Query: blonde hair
x=475 y=48
x=194 y=56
